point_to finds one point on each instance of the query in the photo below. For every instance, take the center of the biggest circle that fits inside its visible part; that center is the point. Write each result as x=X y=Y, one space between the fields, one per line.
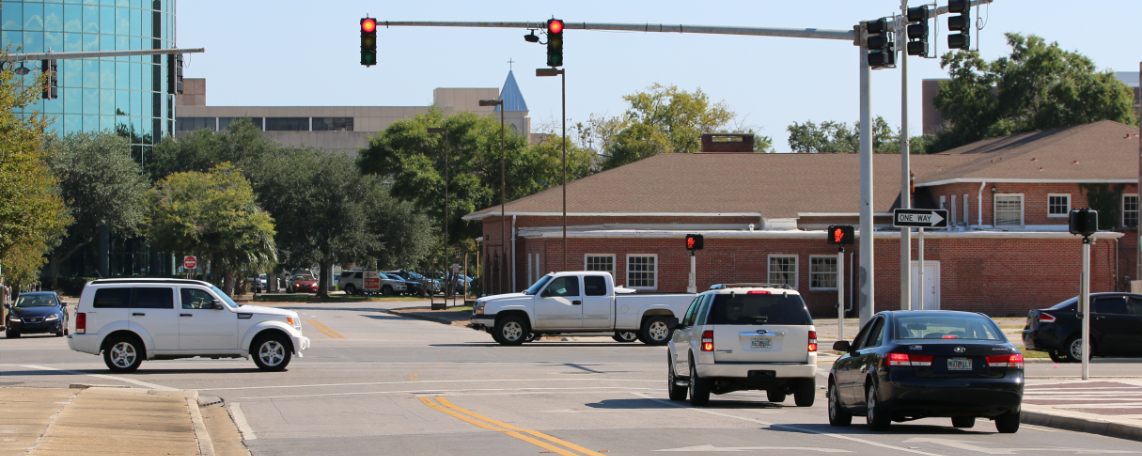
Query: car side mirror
x=63 y=304
x=842 y=346
x=218 y=305
x=673 y=323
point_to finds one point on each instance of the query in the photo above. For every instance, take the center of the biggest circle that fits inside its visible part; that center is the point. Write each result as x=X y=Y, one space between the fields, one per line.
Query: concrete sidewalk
x=1110 y=408
x=106 y=420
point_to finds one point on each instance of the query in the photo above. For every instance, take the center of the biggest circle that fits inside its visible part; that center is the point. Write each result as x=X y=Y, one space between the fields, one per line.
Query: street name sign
x=920 y=218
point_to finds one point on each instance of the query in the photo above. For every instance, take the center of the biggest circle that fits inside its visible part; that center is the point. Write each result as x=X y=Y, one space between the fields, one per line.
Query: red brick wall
x=1034 y=200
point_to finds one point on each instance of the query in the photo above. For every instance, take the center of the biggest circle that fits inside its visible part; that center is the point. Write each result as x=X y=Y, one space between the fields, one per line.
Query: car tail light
x=708 y=341
x=81 y=323
x=1046 y=318
x=1013 y=361
x=812 y=341
x=950 y=336
x=913 y=360
x=757 y=292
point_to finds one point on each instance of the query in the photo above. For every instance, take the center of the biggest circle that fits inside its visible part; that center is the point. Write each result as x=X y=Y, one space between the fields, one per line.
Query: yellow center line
x=536 y=442
x=541 y=435
x=326 y=329
x=319 y=328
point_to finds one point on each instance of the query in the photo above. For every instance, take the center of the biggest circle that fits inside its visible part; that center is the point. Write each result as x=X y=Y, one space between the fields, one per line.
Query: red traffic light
x=555 y=26
x=368 y=25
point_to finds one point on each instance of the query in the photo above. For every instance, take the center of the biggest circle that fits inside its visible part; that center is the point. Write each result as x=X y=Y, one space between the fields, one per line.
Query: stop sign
x=189 y=262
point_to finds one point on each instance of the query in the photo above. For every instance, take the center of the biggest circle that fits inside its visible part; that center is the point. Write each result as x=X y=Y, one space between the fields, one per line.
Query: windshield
x=413 y=275
x=758 y=309
x=538 y=285
x=35 y=301
x=303 y=277
x=221 y=294
x=1067 y=305
x=946 y=327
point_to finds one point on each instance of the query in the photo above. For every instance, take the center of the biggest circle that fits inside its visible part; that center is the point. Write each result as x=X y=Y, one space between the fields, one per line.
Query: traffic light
x=841 y=235
x=918 y=31
x=51 y=86
x=961 y=23
x=174 y=74
x=368 y=42
x=694 y=242
x=880 y=42
x=554 y=43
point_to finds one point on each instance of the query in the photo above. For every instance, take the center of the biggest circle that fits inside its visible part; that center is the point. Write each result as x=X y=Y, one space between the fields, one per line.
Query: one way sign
x=922 y=218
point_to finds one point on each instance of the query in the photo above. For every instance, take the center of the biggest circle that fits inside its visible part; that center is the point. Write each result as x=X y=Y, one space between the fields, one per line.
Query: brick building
x=763 y=217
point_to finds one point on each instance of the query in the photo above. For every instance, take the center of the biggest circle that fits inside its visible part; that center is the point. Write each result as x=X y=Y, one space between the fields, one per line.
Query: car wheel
x=511 y=330
x=1007 y=423
x=805 y=393
x=625 y=336
x=876 y=414
x=271 y=352
x=350 y=289
x=654 y=331
x=676 y=392
x=1056 y=356
x=1073 y=349
x=963 y=422
x=387 y=290
x=775 y=396
x=699 y=388
x=123 y=354
x=838 y=415
x=12 y=334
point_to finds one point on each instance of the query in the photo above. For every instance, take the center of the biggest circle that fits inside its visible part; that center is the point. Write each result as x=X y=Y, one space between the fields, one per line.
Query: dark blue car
x=36 y=312
x=910 y=365
x=1114 y=328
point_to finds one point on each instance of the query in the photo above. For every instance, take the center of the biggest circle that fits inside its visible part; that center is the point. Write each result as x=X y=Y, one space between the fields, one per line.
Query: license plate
x=959 y=364
x=761 y=342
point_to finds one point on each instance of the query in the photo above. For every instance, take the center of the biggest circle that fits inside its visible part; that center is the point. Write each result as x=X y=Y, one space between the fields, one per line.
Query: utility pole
x=543 y=72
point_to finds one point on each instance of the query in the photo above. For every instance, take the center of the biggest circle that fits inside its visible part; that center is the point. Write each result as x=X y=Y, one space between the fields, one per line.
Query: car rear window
x=758 y=309
x=112 y=298
x=946 y=327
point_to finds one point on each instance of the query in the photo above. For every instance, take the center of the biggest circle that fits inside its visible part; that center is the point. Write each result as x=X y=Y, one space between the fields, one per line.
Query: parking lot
x=377 y=383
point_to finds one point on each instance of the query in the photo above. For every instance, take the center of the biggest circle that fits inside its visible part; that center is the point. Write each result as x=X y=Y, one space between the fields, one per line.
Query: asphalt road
x=375 y=383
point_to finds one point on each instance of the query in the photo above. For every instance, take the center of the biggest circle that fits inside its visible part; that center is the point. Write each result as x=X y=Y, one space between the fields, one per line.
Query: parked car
x=129 y=320
x=356 y=282
x=744 y=338
x=414 y=281
x=36 y=312
x=301 y=283
x=258 y=284
x=1115 y=329
x=577 y=302
x=927 y=363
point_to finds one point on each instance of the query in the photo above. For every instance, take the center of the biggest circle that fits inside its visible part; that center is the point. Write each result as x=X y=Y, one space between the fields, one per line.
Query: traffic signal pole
x=905 y=169
x=865 y=273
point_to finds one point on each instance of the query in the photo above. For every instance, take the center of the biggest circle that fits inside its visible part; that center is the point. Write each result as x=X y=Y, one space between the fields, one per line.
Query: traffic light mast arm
x=845 y=35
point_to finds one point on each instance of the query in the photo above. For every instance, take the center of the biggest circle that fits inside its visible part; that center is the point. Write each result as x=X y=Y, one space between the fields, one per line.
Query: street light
x=440 y=131
x=544 y=72
x=503 y=186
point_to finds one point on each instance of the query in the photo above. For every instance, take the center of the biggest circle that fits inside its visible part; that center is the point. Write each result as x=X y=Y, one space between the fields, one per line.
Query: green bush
x=475 y=287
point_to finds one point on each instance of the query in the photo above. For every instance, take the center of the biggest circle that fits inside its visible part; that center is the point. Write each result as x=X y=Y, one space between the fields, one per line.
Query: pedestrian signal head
x=694 y=242
x=841 y=235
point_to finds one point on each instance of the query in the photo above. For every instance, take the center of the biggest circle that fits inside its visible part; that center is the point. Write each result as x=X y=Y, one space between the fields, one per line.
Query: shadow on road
x=142 y=372
x=543 y=344
x=861 y=428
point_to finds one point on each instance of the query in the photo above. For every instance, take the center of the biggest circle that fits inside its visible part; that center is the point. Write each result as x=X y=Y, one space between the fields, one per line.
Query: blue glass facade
x=124 y=94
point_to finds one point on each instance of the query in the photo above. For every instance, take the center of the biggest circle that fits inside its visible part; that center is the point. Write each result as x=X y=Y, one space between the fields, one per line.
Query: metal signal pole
x=905 y=172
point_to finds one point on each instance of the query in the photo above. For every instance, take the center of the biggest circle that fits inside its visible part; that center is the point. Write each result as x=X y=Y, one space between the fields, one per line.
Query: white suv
x=129 y=320
x=744 y=337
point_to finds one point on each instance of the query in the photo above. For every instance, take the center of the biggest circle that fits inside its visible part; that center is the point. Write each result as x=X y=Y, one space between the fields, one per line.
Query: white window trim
x=1066 y=214
x=1122 y=209
x=811 y=287
x=614 y=262
x=1022 y=208
x=655 y=255
x=796 y=267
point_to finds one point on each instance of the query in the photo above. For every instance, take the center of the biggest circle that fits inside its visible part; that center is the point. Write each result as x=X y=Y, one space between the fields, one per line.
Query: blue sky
x=306 y=53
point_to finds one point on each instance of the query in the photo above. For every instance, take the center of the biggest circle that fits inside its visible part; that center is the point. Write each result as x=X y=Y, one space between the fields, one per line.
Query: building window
x=822 y=272
x=194 y=123
x=783 y=270
x=224 y=122
x=1058 y=205
x=1130 y=211
x=287 y=124
x=332 y=124
x=1008 y=210
x=600 y=263
x=642 y=271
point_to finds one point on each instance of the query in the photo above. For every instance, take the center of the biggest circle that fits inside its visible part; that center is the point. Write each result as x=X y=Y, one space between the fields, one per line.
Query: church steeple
x=511 y=96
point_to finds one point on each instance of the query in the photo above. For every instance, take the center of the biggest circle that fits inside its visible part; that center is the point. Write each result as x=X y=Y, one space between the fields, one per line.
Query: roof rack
x=144 y=280
x=723 y=286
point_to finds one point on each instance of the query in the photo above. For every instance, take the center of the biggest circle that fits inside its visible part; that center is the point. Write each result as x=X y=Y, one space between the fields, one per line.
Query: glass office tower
x=126 y=95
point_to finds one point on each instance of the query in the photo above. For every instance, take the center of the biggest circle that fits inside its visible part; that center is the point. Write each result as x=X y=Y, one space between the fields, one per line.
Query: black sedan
x=910 y=365
x=1114 y=330
x=36 y=312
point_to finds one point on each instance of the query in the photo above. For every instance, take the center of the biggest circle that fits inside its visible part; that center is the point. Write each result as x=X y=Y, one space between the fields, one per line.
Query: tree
x=837 y=137
x=241 y=143
x=1039 y=86
x=215 y=214
x=32 y=214
x=101 y=184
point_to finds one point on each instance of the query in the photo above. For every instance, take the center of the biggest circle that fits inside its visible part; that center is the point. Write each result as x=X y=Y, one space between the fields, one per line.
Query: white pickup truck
x=579 y=302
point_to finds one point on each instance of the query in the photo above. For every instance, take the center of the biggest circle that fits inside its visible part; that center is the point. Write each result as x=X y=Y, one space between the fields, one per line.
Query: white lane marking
x=530 y=380
x=971 y=446
x=438 y=391
x=240 y=420
x=711 y=448
x=105 y=377
x=796 y=428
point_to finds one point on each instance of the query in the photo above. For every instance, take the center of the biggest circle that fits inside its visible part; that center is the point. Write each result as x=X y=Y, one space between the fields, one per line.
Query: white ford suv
x=744 y=337
x=129 y=320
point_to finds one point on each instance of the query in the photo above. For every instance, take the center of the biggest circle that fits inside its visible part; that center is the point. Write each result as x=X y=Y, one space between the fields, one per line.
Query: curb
x=1081 y=424
x=443 y=321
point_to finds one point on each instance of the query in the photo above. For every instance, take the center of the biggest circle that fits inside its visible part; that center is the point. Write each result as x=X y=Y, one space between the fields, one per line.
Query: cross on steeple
x=510 y=62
